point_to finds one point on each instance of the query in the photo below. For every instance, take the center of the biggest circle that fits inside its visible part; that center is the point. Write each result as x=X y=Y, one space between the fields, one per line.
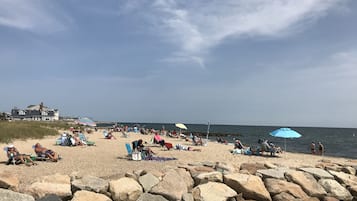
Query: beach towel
x=168 y=145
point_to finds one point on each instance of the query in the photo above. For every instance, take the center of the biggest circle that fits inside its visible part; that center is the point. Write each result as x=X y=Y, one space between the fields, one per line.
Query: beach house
x=35 y=113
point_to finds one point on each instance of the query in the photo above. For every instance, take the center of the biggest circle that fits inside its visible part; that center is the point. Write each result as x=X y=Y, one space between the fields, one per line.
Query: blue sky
x=254 y=62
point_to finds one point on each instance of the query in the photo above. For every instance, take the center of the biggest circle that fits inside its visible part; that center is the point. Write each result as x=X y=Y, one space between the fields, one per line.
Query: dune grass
x=10 y=131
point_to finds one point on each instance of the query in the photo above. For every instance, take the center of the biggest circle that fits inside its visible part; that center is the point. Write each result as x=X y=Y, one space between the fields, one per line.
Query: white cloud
x=196 y=26
x=31 y=15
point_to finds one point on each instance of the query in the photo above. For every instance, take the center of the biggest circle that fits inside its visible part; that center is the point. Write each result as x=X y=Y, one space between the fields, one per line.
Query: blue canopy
x=86 y=121
x=285 y=133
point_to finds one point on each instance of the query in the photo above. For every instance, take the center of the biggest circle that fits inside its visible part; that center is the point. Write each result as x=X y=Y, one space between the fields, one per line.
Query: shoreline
x=108 y=158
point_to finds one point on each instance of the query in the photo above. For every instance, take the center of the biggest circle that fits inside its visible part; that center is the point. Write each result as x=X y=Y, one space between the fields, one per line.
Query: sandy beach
x=108 y=158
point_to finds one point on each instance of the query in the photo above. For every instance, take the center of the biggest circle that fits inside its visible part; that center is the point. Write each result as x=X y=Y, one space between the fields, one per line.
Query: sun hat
x=11 y=146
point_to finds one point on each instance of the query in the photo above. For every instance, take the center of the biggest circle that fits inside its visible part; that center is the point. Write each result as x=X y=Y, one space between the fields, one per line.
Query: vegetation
x=29 y=129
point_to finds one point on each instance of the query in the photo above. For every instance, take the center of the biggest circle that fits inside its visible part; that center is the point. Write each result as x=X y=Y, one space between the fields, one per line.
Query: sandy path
x=108 y=158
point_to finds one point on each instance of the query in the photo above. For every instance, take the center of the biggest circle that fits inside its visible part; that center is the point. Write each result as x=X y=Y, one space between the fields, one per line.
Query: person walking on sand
x=321 y=148
x=313 y=148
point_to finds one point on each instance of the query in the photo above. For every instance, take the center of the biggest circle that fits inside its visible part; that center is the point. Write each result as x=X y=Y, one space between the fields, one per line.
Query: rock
x=156 y=173
x=278 y=186
x=187 y=197
x=349 y=170
x=277 y=173
x=208 y=164
x=131 y=175
x=197 y=170
x=318 y=173
x=284 y=196
x=9 y=181
x=8 y=195
x=148 y=181
x=307 y=182
x=270 y=165
x=353 y=190
x=251 y=167
x=186 y=176
x=335 y=189
x=251 y=186
x=125 y=189
x=84 y=195
x=151 y=197
x=330 y=199
x=225 y=168
x=54 y=184
x=139 y=173
x=209 y=176
x=213 y=191
x=172 y=186
x=344 y=178
x=50 y=197
x=91 y=183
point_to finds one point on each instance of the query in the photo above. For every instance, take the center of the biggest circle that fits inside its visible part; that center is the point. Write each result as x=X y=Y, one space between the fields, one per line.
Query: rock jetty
x=206 y=181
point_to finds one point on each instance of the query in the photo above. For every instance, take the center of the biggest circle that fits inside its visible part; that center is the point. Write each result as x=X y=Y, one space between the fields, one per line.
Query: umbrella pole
x=285 y=144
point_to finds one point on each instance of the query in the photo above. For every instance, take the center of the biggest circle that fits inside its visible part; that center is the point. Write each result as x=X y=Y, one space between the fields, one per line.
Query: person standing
x=313 y=148
x=321 y=148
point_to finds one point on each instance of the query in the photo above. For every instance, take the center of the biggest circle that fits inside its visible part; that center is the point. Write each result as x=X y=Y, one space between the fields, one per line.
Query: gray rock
x=9 y=181
x=187 y=197
x=50 y=197
x=318 y=173
x=89 y=196
x=213 y=191
x=125 y=189
x=344 y=178
x=147 y=181
x=172 y=186
x=8 y=195
x=151 y=197
x=278 y=186
x=284 y=196
x=209 y=176
x=277 y=173
x=335 y=189
x=91 y=183
x=251 y=186
x=307 y=182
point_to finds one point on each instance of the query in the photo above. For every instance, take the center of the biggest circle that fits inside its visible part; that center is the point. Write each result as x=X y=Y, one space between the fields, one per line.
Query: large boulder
x=172 y=186
x=277 y=173
x=318 y=173
x=151 y=197
x=186 y=176
x=349 y=170
x=225 y=168
x=344 y=178
x=125 y=189
x=278 y=186
x=57 y=184
x=8 y=180
x=251 y=186
x=187 y=197
x=335 y=189
x=209 y=176
x=307 y=182
x=89 y=196
x=213 y=191
x=284 y=196
x=8 y=195
x=50 y=197
x=147 y=181
x=251 y=168
x=91 y=183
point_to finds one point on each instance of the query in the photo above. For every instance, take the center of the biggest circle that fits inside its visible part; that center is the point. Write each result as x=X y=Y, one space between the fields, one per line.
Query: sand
x=108 y=158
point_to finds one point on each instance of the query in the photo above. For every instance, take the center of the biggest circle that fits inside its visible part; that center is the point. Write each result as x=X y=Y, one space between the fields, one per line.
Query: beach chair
x=84 y=140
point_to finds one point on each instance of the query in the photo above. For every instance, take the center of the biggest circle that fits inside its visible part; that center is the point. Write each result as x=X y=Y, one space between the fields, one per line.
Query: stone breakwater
x=205 y=181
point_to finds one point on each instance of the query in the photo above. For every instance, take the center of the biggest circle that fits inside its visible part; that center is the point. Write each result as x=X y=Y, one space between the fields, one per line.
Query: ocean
x=341 y=142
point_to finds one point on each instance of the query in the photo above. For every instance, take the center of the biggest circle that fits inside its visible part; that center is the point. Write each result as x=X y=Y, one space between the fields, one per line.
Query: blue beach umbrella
x=86 y=121
x=285 y=133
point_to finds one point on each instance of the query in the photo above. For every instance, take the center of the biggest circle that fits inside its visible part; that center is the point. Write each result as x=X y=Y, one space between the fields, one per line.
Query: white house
x=35 y=113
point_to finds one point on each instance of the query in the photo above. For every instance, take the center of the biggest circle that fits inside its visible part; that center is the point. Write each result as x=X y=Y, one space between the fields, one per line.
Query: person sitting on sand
x=14 y=155
x=109 y=135
x=238 y=145
x=185 y=148
x=197 y=140
x=158 y=139
x=139 y=146
x=40 y=150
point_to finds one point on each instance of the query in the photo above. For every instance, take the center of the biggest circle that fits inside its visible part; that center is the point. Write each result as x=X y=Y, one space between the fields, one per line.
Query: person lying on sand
x=14 y=155
x=40 y=150
x=185 y=148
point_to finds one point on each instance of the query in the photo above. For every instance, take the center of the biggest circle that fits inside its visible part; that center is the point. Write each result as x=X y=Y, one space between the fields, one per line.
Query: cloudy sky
x=256 y=62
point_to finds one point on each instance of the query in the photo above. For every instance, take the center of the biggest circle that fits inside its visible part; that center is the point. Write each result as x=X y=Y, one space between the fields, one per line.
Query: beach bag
x=136 y=156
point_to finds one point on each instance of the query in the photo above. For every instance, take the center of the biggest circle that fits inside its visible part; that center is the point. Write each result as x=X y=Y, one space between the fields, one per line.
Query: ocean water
x=337 y=141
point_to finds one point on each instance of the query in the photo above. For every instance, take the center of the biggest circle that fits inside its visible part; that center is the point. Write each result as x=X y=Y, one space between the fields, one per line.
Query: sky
x=256 y=62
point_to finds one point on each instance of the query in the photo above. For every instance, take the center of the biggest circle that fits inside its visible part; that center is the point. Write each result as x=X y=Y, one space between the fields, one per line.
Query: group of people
x=15 y=157
x=320 y=148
